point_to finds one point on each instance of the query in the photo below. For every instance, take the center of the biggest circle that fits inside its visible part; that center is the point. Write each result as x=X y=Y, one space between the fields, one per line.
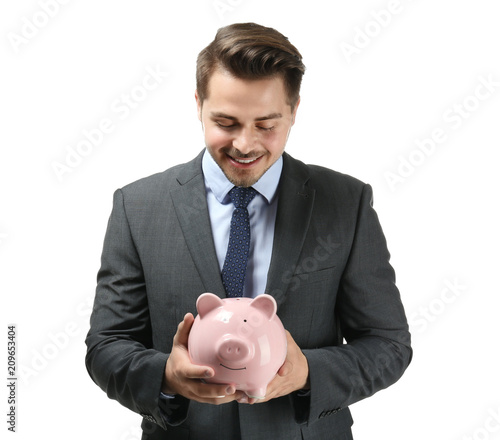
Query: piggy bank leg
x=256 y=393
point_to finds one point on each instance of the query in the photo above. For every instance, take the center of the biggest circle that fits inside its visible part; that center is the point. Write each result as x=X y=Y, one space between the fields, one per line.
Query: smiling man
x=310 y=238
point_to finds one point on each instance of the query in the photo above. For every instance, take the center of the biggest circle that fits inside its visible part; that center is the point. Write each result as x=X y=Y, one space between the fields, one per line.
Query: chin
x=243 y=178
x=242 y=181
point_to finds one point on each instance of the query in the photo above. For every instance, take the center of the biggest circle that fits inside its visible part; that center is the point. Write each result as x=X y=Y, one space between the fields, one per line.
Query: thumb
x=286 y=368
x=182 y=335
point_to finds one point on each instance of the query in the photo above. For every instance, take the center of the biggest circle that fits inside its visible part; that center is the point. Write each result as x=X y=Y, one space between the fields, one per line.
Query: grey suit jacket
x=329 y=273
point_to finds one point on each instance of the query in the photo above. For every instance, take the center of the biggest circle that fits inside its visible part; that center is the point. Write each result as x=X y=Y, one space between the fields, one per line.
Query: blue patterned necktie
x=235 y=264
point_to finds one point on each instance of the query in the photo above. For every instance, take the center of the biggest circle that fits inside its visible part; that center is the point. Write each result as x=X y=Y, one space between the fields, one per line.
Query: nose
x=234 y=351
x=244 y=141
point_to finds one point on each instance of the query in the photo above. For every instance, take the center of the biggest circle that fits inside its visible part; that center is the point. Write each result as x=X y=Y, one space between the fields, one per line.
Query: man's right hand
x=185 y=378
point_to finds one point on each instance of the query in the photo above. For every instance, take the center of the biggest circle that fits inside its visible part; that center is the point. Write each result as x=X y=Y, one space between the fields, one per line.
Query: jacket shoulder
x=328 y=179
x=324 y=179
x=159 y=183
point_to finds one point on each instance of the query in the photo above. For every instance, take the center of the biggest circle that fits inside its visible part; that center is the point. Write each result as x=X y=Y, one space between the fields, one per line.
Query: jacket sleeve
x=120 y=358
x=373 y=323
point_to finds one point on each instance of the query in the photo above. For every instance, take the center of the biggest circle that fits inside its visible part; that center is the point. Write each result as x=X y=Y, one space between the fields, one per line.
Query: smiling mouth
x=243 y=161
x=233 y=369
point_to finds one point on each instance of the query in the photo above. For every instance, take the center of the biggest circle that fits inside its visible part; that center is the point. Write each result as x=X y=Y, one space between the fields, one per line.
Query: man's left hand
x=292 y=376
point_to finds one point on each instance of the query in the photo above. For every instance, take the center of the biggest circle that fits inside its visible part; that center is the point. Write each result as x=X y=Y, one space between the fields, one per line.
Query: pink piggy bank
x=242 y=339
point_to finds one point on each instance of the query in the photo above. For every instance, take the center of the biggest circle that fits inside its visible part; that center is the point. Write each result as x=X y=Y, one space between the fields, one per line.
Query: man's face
x=246 y=125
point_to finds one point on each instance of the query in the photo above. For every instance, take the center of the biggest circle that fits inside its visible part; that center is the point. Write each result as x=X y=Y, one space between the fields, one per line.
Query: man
x=315 y=245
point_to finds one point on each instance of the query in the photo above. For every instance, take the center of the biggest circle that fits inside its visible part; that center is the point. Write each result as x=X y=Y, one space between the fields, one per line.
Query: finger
x=193 y=371
x=213 y=391
x=287 y=366
x=241 y=397
x=285 y=369
x=183 y=329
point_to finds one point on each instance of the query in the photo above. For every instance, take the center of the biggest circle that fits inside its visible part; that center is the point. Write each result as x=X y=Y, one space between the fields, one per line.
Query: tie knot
x=241 y=196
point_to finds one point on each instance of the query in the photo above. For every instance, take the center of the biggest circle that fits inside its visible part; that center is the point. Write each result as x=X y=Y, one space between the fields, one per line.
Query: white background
x=361 y=113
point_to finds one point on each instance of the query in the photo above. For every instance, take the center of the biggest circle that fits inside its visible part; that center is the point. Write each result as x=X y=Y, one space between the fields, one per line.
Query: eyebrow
x=232 y=118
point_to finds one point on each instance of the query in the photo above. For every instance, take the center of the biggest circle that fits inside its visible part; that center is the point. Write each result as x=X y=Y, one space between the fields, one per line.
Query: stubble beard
x=241 y=177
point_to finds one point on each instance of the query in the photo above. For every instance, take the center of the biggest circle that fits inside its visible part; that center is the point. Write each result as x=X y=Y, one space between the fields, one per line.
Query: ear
x=199 y=104
x=207 y=302
x=265 y=304
x=294 y=113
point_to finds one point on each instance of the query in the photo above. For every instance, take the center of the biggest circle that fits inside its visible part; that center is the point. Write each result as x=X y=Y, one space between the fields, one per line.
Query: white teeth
x=243 y=161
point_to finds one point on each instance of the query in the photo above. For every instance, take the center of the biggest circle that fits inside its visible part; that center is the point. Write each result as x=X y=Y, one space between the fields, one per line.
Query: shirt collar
x=218 y=183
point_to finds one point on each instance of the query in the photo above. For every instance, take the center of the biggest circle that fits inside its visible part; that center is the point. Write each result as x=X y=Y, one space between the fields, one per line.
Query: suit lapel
x=190 y=204
x=295 y=205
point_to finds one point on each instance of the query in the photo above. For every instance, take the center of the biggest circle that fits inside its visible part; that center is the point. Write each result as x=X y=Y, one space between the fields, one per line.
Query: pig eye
x=244 y=320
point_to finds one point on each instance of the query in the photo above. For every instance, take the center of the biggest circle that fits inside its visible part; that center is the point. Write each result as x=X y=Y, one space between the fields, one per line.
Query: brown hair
x=251 y=51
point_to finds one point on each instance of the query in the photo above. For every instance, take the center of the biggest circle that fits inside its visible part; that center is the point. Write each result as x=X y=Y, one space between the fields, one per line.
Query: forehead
x=229 y=94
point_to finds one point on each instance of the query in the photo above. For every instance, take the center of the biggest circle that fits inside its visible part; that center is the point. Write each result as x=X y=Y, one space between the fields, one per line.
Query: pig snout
x=234 y=352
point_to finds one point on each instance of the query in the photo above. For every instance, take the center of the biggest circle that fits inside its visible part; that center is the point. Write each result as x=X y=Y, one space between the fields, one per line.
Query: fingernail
x=243 y=399
x=208 y=373
x=230 y=390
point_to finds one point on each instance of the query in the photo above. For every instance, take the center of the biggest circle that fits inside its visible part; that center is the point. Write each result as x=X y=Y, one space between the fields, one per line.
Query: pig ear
x=266 y=304
x=206 y=302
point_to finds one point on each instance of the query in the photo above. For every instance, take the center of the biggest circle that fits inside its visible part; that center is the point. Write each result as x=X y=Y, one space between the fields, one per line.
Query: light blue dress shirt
x=262 y=213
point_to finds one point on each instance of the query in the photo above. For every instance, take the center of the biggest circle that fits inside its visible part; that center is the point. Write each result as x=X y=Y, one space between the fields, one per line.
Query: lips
x=241 y=162
x=244 y=161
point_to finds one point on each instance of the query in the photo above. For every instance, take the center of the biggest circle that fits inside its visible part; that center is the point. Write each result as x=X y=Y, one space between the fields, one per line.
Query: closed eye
x=231 y=126
x=225 y=126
